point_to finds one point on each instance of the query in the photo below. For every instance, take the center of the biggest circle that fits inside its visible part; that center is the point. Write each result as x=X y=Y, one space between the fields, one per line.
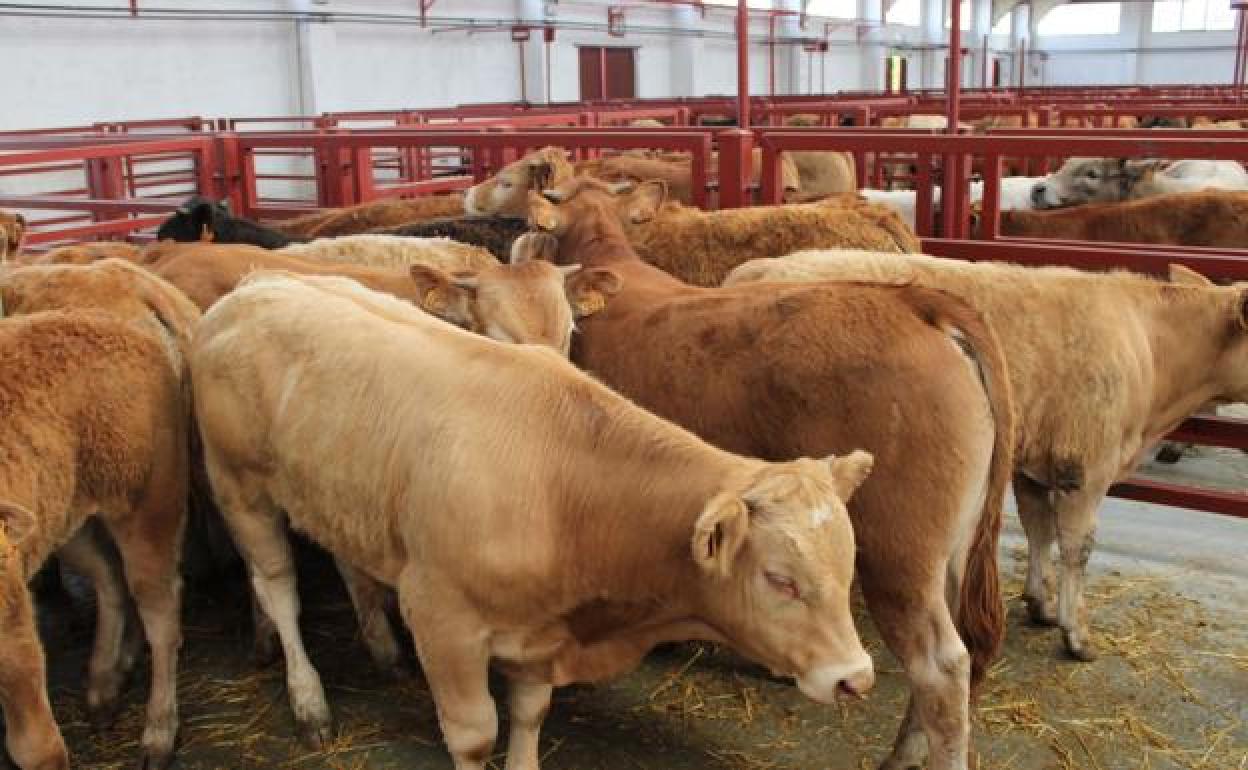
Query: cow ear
x=442 y=295
x=16 y=522
x=849 y=472
x=532 y=247
x=542 y=213
x=643 y=203
x=588 y=290
x=1182 y=274
x=720 y=534
x=1243 y=310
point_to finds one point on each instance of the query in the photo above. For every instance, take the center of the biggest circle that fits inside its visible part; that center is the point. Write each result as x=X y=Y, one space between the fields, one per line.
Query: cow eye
x=784 y=584
x=1093 y=174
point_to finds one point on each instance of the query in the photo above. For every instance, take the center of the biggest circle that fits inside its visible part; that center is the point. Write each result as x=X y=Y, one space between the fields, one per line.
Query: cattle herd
x=761 y=407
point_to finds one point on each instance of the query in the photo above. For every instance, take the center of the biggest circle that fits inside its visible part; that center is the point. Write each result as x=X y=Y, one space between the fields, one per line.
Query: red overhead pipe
x=743 y=64
x=954 y=75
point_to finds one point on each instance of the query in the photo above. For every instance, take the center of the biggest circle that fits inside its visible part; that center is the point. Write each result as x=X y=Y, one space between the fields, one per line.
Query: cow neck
x=1188 y=328
x=636 y=489
x=597 y=239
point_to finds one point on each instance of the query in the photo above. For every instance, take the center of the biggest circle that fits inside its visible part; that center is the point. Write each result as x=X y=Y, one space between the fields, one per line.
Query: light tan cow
x=634 y=532
x=84 y=253
x=513 y=303
x=1103 y=365
x=95 y=417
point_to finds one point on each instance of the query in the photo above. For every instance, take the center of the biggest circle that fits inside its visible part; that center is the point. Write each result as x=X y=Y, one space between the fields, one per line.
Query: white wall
x=74 y=71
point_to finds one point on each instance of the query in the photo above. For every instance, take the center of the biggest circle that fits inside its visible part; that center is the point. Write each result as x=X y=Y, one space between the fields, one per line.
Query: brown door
x=607 y=73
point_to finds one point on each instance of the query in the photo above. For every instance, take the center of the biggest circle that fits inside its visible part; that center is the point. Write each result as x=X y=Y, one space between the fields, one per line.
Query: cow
x=364 y=217
x=378 y=250
x=1213 y=218
x=634 y=531
x=12 y=234
x=84 y=253
x=1103 y=365
x=1015 y=194
x=912 y=375
x=95 y=411
x=523 y=302
x=204 y=219
x=1101 y=180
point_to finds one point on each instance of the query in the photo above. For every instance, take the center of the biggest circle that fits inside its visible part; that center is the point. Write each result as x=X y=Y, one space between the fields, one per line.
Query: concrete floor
x=1169 y=597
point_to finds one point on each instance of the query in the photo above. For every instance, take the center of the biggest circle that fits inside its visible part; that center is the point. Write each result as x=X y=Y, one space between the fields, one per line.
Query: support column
x=932 y=20
x=872 y=44
x=981 y=29
x=317 y=46
x=1021 y=38
x=686 y=52
x=531 y=13
x=790 y=59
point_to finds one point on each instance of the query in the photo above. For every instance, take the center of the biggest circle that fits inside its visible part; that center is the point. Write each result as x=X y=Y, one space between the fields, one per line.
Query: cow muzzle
x=1041 y=198
x=824 y=683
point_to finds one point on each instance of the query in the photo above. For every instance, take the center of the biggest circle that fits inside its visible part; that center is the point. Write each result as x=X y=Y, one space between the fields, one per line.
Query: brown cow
x=95 y=414
x=913 y=375
x=700 y=247
x=525 y=513
x=352 y=220
x=1214 y=218
x=84 y=253
x=1103 y=365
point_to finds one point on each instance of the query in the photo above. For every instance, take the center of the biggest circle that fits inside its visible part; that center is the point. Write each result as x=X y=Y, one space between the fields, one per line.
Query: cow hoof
x=1078 y=649
x=157 y=749
x=315 y=735
x=1040 y=613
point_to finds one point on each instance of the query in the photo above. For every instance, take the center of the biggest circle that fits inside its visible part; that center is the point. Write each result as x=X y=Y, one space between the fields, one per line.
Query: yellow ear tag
x=590 y=303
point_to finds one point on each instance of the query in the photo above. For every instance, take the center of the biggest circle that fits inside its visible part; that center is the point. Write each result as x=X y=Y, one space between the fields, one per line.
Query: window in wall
x=965 y=21
x=903 y=12
x=1005 y=26
x=1081 y=19
x=840 y=9
x=1192 y=15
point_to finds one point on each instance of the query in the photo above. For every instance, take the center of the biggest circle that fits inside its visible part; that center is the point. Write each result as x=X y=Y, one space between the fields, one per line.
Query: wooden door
x=607 y=73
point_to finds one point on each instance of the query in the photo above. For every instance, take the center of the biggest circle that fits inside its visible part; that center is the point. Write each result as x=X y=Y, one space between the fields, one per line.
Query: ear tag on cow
x=434 y=301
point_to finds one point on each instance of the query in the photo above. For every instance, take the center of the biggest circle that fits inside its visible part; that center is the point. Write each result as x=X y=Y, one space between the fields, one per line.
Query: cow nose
x=859 y=683
x=1037 y=195
x=825 y=682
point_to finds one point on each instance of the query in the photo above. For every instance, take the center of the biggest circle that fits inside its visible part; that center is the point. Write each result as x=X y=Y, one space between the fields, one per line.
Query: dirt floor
x=1169 y=691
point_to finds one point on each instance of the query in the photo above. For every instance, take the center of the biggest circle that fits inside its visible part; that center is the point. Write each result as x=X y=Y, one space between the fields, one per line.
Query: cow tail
x=980 y=616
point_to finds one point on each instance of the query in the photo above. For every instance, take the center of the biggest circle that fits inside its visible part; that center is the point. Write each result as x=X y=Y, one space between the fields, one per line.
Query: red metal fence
x=120 y=180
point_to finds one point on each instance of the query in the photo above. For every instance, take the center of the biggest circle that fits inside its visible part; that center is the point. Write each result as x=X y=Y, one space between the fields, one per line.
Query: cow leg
x=150 y=543
x=369 y=599
x=529 y=703
x=452 y=645
x=108 y=668
x=917 y=626
x=259 y=532
x=31 y=736
x=1039 y=520
x=1076 y=536
x=264 y=634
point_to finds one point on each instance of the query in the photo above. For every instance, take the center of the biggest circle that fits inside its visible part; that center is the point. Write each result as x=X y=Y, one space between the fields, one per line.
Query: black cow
x=203 y=219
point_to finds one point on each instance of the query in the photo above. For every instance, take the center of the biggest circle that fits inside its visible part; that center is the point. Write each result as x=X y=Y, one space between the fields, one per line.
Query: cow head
x=555 y=210
x=1230 y=372
x=777 y=560
x=530 y=301
x=506 y=193
x=12 y=234
x=1082 y=180
x=199 y=219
